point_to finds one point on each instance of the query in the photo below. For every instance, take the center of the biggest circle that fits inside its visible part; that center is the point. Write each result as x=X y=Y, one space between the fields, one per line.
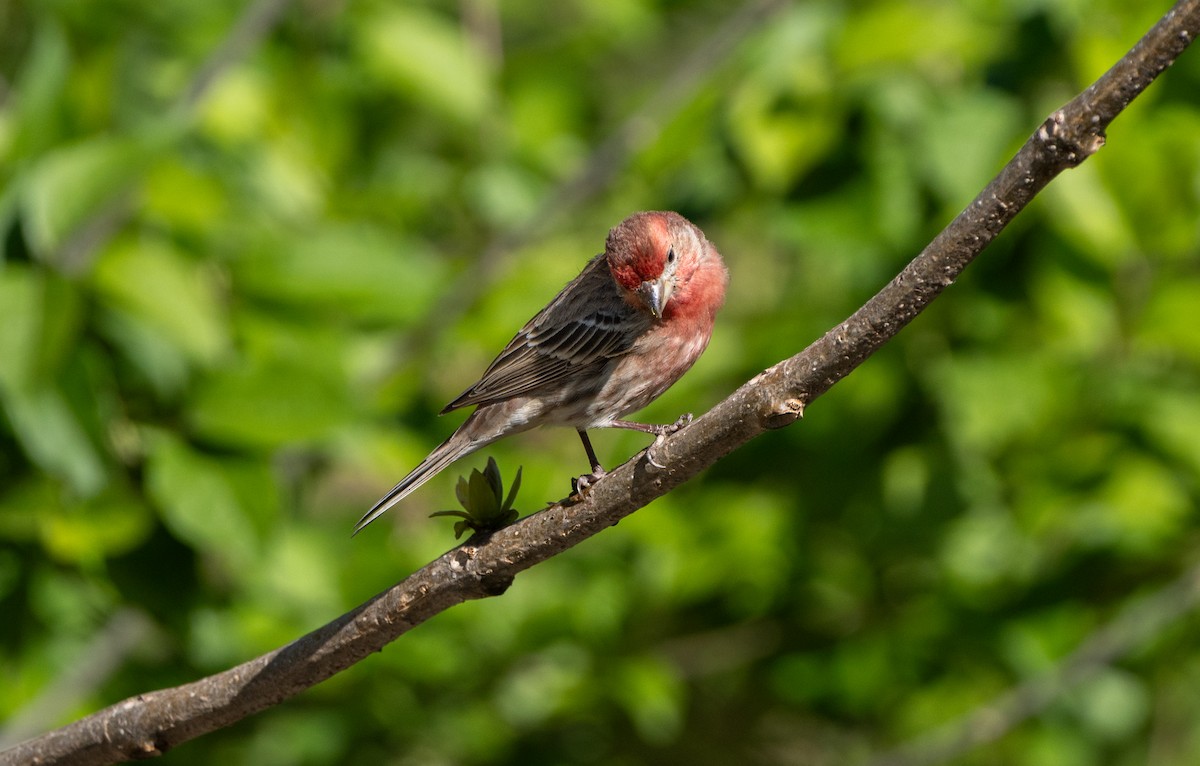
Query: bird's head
x=650 y=254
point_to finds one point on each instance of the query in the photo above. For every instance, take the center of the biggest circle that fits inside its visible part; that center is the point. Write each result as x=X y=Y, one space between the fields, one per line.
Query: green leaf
x=108 y=526
x=185 y=196
x=197 y=502
x=1087 y=214
x=461 y=491
x=955 y=167
x=358 y=271
x=1143 y=506
x=53 y=437
x=269 y=403
x=426 y=56
x=21 y=297
x=1168 y=320
x=778 y=146
x=1113 y=704
x=41 y=86
x=69 y=185
x=483 y=499
x=161 y=362
x=42 y=316
x=458 y=514
x=156 y=285
x=652 y=695
x=491 y=472
x=888 y=33
x=512 y=492
x=61 y=317
x=466 y=521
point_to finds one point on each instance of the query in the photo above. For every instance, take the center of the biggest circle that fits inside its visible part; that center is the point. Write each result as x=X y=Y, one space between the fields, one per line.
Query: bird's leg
x=661 y=432
x=579 y=485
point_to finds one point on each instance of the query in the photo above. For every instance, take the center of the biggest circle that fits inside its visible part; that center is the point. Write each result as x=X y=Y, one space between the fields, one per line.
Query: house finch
x=615 y=338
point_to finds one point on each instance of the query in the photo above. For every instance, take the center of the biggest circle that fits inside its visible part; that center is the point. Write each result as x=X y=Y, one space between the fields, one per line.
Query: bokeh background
x=249 y=250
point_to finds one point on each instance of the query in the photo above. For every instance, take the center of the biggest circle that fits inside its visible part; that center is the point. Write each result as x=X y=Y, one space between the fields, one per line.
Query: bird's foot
x=660 y=435
x=684 y=420
x=581 y=484
x=652 y=451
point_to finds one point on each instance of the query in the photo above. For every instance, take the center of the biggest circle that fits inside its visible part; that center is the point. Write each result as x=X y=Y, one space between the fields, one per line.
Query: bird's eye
x=671 y=255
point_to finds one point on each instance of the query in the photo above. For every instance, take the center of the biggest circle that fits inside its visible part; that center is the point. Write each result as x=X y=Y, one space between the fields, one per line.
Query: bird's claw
x=581 y=484
x=660 y=437
x=684 y=420
x=650 y=451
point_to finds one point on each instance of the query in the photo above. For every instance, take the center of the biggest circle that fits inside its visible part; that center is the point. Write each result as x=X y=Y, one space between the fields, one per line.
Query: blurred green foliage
x=200 y=399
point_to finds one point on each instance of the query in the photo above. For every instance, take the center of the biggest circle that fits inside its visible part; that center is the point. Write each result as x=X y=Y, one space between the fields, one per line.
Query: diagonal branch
x=127 y=631
x=152 y=723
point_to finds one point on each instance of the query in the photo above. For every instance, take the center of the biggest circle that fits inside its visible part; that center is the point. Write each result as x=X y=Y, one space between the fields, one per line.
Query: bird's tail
x=479 y=430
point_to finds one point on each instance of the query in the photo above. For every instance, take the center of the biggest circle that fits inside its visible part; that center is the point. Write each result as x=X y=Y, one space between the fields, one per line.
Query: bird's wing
x=588 y=322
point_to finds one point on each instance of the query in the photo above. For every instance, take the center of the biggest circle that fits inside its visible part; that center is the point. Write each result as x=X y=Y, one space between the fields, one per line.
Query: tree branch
x=152 y=723
x=127 y=631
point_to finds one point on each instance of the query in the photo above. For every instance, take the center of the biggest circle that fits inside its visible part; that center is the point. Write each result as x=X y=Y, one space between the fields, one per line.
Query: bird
x=615 y=338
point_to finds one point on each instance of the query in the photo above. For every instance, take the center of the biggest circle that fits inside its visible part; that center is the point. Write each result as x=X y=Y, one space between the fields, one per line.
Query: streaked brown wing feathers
x=586 y=324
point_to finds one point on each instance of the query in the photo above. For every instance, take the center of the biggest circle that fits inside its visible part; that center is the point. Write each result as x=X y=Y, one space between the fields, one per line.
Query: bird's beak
x=656 y=293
